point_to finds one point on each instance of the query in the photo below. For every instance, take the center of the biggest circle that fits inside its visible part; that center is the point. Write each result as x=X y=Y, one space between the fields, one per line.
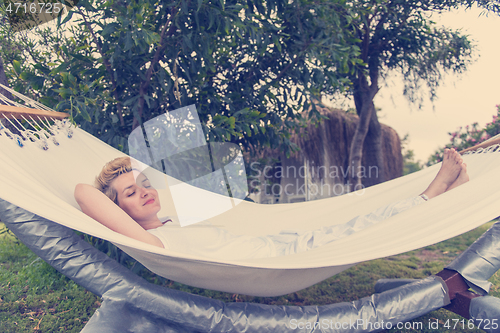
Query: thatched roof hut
x=320 y=168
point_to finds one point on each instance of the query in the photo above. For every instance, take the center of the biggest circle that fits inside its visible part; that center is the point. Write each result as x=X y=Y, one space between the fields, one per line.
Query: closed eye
x=131 y=194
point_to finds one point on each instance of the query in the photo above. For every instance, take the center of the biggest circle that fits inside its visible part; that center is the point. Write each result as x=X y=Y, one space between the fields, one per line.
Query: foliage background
x=248 y=66
x=468 y=136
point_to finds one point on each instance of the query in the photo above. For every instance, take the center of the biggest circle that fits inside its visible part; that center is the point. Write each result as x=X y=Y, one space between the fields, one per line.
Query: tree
x=3 y=80
x=397 y=35
x=18 y=49
x=3 y=77
x=5 y=47
x=409 y=163
x=249 y=66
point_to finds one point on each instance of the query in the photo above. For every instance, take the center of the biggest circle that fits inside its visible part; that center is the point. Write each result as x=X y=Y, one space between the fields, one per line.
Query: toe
x=446 y=154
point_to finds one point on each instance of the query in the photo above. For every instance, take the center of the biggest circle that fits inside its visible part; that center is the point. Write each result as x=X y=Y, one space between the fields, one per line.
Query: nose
x=144 y=192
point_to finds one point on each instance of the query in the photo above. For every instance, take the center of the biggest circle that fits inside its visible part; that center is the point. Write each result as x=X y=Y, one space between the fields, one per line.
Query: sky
x=462 y=99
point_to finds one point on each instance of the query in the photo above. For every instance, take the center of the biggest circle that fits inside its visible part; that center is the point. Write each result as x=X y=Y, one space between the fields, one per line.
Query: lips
x=150 y=201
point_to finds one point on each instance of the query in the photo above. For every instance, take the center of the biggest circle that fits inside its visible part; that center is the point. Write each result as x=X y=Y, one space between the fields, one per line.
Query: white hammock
x=43 y=181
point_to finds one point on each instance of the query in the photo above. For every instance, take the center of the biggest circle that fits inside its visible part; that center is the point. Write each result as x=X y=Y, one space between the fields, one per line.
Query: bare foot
x=463 y=177
x=447 y=175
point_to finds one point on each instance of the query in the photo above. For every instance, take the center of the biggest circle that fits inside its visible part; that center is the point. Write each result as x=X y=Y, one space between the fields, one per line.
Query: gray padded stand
x=473 y=268
x=131 y=304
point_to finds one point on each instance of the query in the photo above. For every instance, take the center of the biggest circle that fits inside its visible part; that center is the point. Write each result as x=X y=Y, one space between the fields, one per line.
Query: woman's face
x=136 y=196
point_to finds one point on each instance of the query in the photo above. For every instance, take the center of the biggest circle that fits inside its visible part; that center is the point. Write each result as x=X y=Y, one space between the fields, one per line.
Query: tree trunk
x=365 y=113
x=375 y=165
x=368 y=135
x=368 y=128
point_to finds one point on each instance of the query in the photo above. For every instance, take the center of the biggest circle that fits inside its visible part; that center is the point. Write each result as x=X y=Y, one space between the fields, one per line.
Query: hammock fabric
x=42 y=182
x=130 y=304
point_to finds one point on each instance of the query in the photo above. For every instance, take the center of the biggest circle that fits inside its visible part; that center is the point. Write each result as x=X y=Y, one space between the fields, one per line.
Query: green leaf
x=129 y=43
x=67 y=18
x=109 y=29
x=255 y=113
x=151 y=37
x=37 y=82
x=130 y=101
x=80 y=57
x=25 y=76
x=60 y=68
x=17 y=66
x=64 y=92
x=84 y=88
x=82 y=109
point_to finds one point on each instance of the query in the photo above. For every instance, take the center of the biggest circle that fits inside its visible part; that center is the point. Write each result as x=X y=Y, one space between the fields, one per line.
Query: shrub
x=469 y=136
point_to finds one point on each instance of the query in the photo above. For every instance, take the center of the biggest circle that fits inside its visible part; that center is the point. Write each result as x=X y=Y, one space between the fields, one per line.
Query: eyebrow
x=128 y=187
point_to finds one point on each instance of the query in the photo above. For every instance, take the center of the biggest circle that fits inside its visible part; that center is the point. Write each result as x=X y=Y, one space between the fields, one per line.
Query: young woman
x=124 y=201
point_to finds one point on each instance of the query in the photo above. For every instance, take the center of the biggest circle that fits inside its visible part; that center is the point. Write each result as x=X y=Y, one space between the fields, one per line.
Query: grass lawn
x=35 y=298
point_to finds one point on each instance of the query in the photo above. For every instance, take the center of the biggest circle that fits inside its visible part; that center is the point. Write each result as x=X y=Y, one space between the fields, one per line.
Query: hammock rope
x=42 y=130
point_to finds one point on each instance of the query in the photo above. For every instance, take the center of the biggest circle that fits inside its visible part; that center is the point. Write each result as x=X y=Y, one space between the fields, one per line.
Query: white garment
x=205 y=240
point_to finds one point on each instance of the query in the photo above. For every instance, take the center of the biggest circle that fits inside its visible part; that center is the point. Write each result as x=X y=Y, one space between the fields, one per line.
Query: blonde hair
x=110 y=172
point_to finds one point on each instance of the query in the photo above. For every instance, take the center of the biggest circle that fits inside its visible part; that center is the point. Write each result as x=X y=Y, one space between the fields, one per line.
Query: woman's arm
x=98 y=206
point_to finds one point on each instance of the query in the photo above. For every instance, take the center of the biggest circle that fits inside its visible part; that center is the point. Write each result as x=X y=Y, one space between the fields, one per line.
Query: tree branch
x=168 y=30
x=294 y=61
x=107 y=65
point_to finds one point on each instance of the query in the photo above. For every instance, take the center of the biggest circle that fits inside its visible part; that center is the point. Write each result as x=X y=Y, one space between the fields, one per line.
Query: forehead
x=128 y=179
